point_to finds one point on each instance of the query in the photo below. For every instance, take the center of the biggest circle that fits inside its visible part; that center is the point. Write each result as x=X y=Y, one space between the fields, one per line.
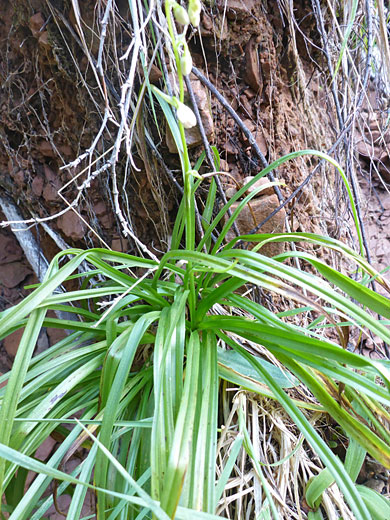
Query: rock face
x=373 y=144
x=253 y=214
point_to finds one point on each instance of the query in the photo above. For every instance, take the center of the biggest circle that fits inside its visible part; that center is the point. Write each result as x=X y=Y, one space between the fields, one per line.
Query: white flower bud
x=194 y=9
x=186 y=61
x=185 y=115
x=180 y=14
x=195 y=19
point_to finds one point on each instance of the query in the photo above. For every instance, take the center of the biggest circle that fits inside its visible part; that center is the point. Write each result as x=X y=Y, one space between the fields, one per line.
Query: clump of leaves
x=142 y=365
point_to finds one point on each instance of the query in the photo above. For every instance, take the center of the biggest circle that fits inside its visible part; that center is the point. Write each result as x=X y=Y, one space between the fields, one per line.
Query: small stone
x=63 y=502
x=4 y=382
x=215 y=27
x=55 y=335
x=11 y=342
x=375 y=153
x=261 y=182
x=71 y=225
x=44 y=40
x=50 y=192
x=46 y=149
x=234 y=101
x=107 y=221
x=66 y=150
x=246 y=106
x=258 y=135
x=238 y=9
x=45 y=449
x=252 y=74
x=36 y=23
x=253 y=214
x=230 y=192
x=100 y=208
x=19 y=179
x=250 y=93
x=249 y=124
x=155 y=74
x=119 y=244
x=42 y=343
x=50 y=175
x=9 y=249
x=37 y=185
x=236 y=173
x=105 y=217
x=261 y=142
x=207 y=23
x=13 y=273
x=224 y=166
x=230 y=147
x=375 y=484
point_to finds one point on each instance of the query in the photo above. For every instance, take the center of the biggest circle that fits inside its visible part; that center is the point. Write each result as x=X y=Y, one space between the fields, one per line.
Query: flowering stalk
x=186 y=119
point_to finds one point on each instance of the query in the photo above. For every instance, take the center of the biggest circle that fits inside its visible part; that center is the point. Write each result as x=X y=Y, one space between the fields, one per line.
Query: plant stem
x=189 y=207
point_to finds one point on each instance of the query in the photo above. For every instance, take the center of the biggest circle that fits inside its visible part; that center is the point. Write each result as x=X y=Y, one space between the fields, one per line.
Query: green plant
x=152 y=341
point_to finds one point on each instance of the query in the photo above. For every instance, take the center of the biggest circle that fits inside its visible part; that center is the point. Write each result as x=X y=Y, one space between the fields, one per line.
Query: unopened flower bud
x=185 y=115
x=194 y=9
x=195 y=19
x=180 y=14
x=186 y=61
